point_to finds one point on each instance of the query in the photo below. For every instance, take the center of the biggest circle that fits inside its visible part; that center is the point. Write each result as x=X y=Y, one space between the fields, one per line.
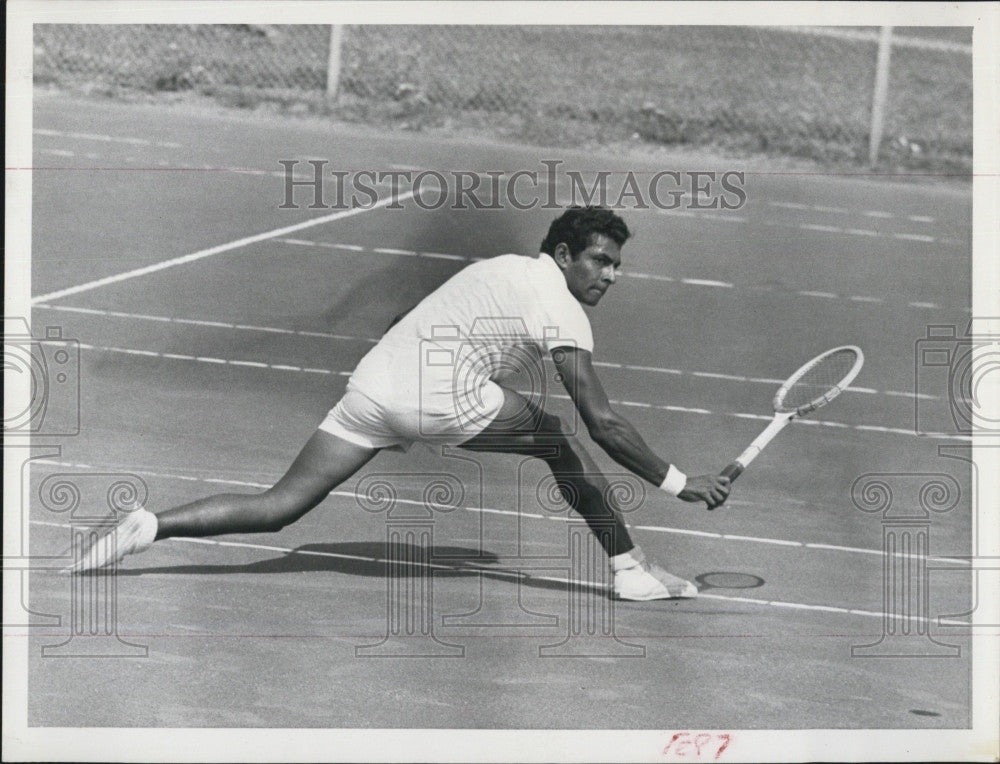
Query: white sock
x=630 y=559
x=149 y=529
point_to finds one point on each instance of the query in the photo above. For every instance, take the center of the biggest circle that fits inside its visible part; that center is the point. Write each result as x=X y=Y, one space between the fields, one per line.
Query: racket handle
x=732 y=471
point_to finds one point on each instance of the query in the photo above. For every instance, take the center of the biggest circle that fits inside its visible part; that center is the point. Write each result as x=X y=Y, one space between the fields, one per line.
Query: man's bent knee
x=551 y=425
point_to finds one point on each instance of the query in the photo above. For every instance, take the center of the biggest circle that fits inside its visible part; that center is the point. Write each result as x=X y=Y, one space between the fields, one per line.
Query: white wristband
x=674 y=482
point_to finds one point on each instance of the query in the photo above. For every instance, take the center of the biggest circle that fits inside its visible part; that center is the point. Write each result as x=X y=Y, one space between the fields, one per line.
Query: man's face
x=593 y=270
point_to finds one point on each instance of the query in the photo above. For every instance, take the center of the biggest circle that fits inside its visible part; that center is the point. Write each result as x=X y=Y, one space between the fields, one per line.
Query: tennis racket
x=811 y=387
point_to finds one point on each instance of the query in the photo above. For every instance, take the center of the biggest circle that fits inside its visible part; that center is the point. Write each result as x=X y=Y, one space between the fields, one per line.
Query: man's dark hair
x=577 y=224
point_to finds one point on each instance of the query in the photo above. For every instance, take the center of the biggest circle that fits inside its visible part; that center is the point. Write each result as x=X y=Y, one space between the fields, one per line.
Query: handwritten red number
x=702 y=738
x=724 y=746
x=685 y=743
x=673 y=740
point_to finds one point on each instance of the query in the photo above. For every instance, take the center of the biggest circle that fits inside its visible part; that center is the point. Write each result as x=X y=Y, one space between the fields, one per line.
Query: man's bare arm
x=616 y=435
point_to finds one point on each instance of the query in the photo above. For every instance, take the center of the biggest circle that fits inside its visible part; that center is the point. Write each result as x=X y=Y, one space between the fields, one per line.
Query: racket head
x=819 y=381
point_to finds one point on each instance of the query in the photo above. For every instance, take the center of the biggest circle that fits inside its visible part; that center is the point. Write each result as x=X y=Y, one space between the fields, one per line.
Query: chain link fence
x=794 y=92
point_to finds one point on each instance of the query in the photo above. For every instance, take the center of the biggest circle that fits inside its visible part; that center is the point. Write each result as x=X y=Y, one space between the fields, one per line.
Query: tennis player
x=444 y=373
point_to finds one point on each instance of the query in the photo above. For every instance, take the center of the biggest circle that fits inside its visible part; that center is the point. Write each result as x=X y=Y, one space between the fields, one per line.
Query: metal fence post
x=333 y=61
x=879 y=96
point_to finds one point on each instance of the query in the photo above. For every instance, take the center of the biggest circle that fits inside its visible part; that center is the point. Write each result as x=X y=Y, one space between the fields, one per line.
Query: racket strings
x=825 y=377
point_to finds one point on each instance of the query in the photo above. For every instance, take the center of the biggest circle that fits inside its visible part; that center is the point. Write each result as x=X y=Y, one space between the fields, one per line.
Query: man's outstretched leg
x=585 y=489
x=325 y=462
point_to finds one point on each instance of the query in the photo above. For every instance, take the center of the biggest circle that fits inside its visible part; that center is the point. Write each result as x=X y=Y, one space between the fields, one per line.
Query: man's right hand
x=711 y=489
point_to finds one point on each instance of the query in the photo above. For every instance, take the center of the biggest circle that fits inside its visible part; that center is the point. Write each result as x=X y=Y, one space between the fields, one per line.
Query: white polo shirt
x=491 y=321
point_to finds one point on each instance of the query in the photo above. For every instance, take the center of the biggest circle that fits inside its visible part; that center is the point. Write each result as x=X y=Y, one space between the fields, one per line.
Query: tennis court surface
x=215 y=332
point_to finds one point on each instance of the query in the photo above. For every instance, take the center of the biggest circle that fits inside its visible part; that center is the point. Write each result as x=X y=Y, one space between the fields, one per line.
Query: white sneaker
x=638 y=580
x=133 y=535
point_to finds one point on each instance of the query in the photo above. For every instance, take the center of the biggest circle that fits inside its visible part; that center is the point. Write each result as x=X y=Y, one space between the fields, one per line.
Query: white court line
x=106 y=138
x=704 y=215
x=514 y=513
x=864 y=231
x=208 y=359
x=354 y=338
x=201 y=322
x=201 y=254
x=380 y=250
x=919 y=396
x=844 y=211
x=758 y=380
x=810 y=422
x=708 y=282
x=518 y=573
x=626 y=273
x=818 y=227
x=648 y=276
x=658 y=406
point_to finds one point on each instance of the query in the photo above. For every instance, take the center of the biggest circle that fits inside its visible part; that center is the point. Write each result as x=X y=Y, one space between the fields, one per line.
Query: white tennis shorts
x=367 y=423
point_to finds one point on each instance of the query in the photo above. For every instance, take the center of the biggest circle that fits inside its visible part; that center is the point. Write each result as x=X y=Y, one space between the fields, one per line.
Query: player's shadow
x=366 y=558
x=381 y=295
x=380 y=292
